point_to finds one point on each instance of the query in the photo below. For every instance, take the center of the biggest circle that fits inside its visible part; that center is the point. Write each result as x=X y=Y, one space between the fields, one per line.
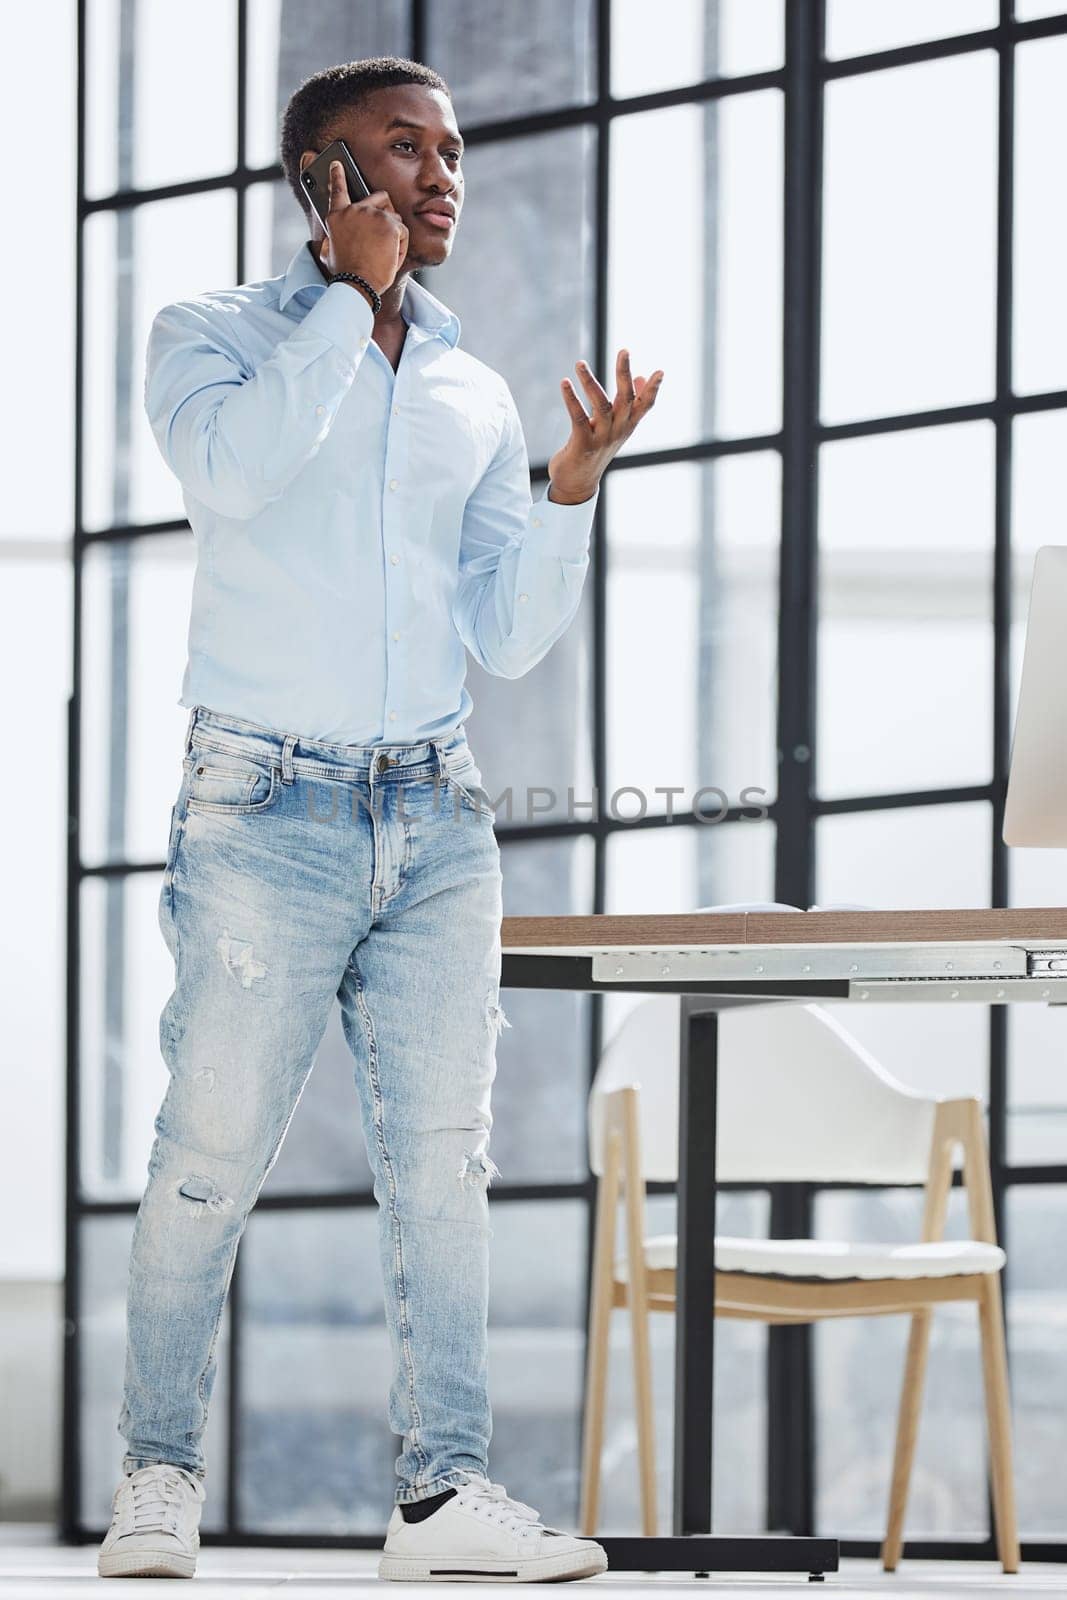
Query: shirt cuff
x=562 y=530
x=342 y=314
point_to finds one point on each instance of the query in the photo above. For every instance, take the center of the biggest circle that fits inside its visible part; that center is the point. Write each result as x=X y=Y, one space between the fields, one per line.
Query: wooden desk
x=717 y=960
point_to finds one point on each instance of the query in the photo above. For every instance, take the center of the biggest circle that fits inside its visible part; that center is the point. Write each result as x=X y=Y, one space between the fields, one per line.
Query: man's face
x=405 y=140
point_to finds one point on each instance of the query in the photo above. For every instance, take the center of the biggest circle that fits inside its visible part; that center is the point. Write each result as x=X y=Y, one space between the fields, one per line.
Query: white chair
x=799 y=1099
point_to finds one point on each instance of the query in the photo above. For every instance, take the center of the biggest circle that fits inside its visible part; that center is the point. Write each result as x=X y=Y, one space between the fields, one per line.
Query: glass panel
x=104 y=1259
x=317 y=1453
x=274 y=226
x=692 y=616
x=646 y=56
x=906 y=611
x=542 y=55
x=854 y=27
x=859 y=1362
x=1037 y=1309
x=136 y=598
x=288 y=41
x=1037 y=1035
x=740 y=1400
x=127 y=973
x=1040 y=317
x=529 y=210
x=1028 y=10
x=908 y=291
x=137 y=262
x=168 y=134
x=539 y=1127
x=906 y=858
x=722 y=373
x=682 y=866
x=537 y=1350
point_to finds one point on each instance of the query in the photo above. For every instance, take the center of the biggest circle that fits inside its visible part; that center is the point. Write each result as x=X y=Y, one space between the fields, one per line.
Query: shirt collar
x=418 y=306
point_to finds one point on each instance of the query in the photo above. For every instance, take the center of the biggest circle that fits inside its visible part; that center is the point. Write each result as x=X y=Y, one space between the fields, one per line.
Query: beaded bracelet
x=354 y=277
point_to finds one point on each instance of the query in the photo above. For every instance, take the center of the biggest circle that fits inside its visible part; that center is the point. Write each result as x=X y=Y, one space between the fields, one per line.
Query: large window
x=809 y=573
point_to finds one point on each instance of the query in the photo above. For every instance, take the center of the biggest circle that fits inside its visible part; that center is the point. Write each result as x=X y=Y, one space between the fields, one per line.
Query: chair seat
x=831 y=1258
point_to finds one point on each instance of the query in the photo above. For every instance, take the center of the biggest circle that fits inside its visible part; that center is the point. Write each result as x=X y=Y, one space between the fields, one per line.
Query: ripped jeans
x=298 y=871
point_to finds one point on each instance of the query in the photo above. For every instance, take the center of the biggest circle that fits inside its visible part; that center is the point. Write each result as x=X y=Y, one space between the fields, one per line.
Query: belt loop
x=287 y=757
x=189 y=726
x=442 y=765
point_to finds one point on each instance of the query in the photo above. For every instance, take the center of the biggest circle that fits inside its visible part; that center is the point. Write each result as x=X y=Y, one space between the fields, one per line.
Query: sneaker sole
x=145 y=1564
x=550 y=1569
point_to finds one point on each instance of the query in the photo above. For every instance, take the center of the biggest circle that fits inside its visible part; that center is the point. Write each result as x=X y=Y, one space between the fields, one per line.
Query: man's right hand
x=365 y=236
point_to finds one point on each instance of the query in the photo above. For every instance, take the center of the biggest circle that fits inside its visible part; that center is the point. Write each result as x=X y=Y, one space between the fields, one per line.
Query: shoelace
x=155 y=1500
x=516 y=1516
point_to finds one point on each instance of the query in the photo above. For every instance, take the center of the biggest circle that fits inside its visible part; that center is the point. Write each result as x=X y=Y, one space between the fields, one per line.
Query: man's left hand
x=575 y=469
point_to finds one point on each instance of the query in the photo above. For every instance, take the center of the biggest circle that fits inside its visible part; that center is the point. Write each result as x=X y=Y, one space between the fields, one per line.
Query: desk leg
x=695 y=1273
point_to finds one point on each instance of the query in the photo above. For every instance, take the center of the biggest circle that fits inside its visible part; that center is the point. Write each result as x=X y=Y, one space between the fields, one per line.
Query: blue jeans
x=298 y=871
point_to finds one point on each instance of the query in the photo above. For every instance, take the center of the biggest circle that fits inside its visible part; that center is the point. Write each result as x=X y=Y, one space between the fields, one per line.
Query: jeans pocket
x=466 y=779
x=223 y=782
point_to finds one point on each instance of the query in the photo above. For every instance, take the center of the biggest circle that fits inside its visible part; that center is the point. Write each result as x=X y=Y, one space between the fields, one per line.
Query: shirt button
x=363 y=344
x=396 y=636
x=320 y=411
x=392 y=483
x=392 y=716
x=537 y=522
x=524 y=597
x=396 y=411
x=394 y=559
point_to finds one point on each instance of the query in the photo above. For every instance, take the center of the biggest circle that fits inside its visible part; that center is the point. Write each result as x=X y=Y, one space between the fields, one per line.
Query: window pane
x=528 y=211
x=722 y=371
x=854 y=27
x=682 y=866
x=317 y=1453
x=274 y=226
x=542 y=54
x=1027 y=10
x=127 y=974
x=539 y=1095
x=859 y=1362
x=103 y=1247
x=740 y=1399
x=646 y=56
x=288 y=41
x=907 y=858
x=1037 y=1309
x=179 y=66
x=136 y=598
x=1040 y=328
x=136 y=262
x=910 y=238
x=906 y=611
x=692 y=613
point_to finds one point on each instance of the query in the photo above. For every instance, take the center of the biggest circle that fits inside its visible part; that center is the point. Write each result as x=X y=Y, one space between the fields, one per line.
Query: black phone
x=316 y=178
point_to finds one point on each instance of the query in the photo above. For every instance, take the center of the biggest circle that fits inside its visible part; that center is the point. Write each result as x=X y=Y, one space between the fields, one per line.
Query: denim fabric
x=297 y=871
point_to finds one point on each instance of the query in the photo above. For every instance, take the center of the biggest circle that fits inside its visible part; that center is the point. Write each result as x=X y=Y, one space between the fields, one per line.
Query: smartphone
x=316 y=178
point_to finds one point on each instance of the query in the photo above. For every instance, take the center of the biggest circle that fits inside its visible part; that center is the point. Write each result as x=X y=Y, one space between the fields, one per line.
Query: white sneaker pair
x=481 y=1535
x=155 y=1525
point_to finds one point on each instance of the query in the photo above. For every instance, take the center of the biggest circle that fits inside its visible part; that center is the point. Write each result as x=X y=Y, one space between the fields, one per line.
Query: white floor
x=34 y=1567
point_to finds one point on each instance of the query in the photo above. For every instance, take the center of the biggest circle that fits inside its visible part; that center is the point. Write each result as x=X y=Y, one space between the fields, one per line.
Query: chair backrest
x=799 y=1099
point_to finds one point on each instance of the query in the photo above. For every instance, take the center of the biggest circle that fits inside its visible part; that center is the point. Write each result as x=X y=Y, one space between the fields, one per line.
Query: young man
x=359 y=491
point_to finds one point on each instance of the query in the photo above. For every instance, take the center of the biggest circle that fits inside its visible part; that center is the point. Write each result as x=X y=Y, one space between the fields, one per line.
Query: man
x=359 y=491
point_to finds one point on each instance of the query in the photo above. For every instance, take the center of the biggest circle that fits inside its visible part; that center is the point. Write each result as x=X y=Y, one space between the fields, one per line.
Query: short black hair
x=314 y=105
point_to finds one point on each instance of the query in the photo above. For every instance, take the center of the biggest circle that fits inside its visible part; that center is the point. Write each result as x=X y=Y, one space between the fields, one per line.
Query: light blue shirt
x=355 y=528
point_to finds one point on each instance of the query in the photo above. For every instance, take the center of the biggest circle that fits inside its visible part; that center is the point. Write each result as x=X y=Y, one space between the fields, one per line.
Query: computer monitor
x=1035 y=812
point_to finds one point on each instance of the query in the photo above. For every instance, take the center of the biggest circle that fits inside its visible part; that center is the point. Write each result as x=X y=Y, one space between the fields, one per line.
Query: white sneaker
x=482 y=1535
x=155 y=1528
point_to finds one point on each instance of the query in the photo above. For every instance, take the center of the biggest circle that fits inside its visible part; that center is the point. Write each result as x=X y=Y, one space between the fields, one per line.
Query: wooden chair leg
x=911 y=1395
x=646 y=1435
x=596 y=1375
x=998 y=1414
